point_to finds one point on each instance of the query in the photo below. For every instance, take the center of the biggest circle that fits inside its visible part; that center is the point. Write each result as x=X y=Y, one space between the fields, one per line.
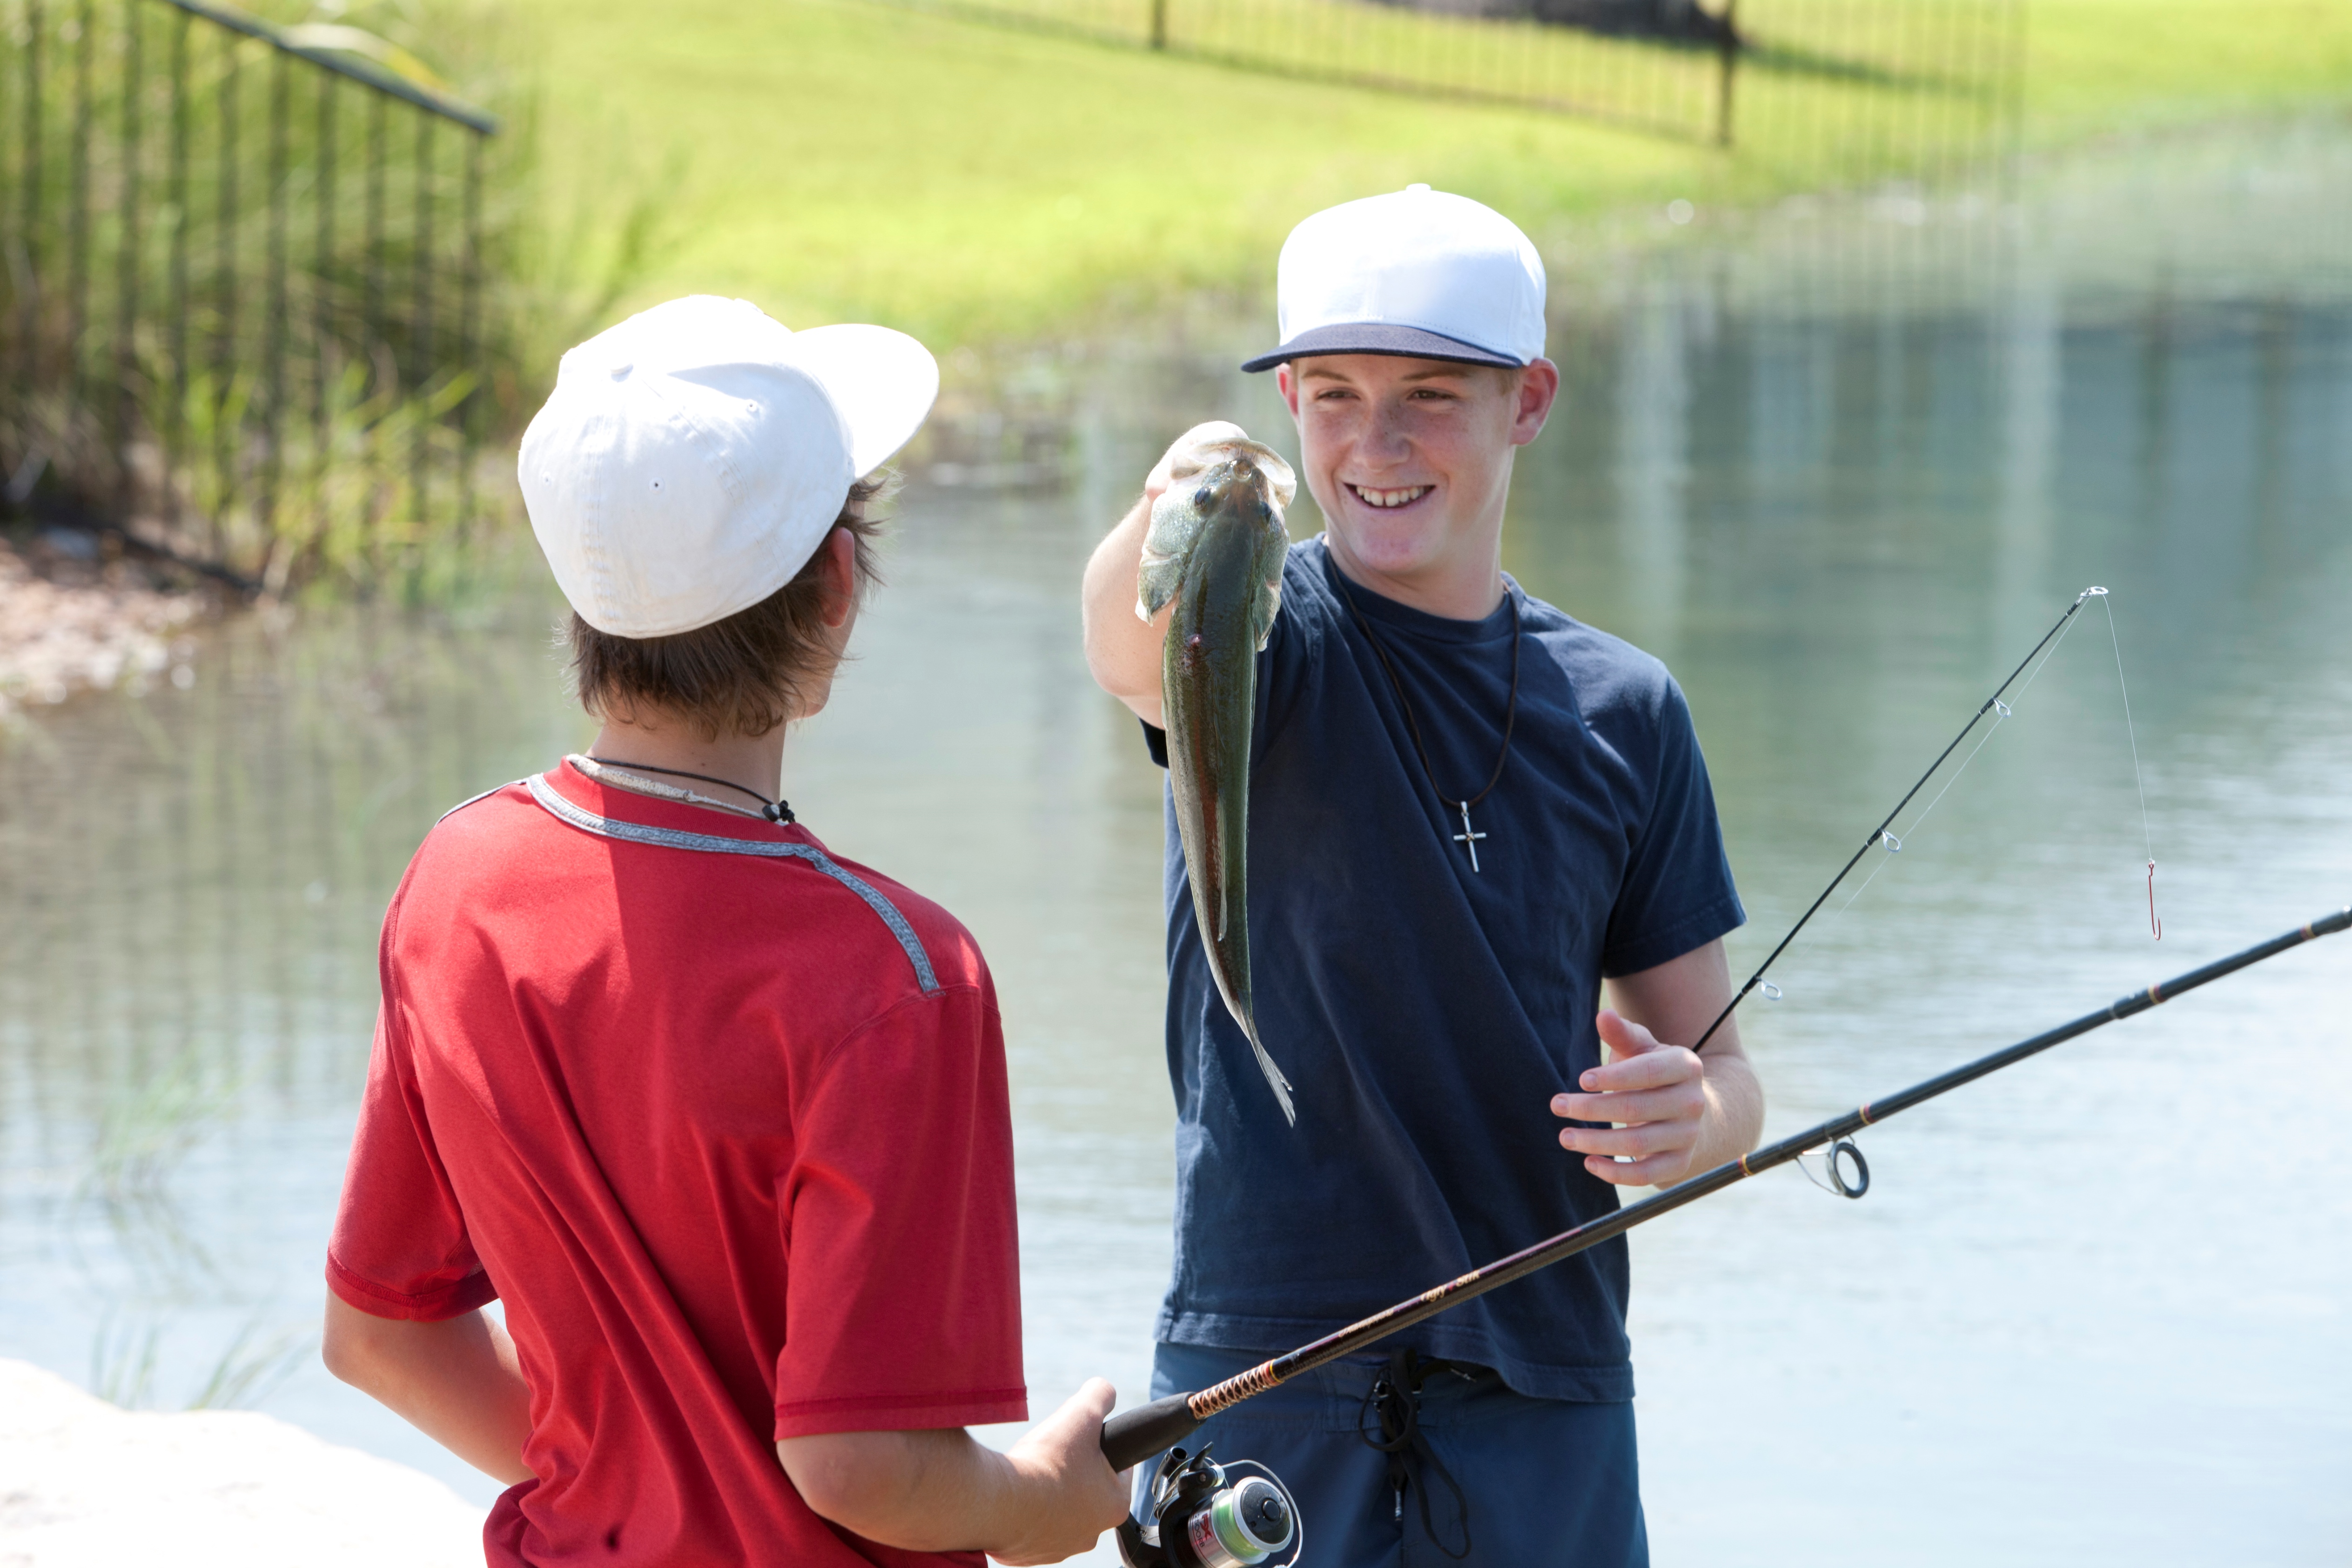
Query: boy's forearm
x=1122 y=652
x=457 y=1381
x=919 y=1491
x=1735 y=1114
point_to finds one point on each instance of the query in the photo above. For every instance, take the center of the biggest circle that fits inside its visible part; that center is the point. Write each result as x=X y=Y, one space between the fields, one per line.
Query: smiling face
x=1411 y=462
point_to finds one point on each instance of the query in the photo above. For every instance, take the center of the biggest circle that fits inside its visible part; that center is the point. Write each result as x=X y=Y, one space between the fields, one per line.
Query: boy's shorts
x=1545 y=1481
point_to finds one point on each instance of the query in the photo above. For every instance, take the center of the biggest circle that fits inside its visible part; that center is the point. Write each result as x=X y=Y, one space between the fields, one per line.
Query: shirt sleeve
x=400 y=1248
x=903 y=1300
x=1678 y=893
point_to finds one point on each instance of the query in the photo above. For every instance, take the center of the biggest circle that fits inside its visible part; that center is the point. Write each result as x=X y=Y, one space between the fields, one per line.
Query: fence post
x=274 y=425
x=126 y=356
x=28 y=308
x=1159 y=23
x=372 y=335
x=77 y=234
x=321 y=304
x=422 y=331
x=175 y=417
x=469 y=354
x=1728 y=71
x=224 y=309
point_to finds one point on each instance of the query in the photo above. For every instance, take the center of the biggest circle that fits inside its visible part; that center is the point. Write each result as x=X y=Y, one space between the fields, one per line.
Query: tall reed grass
x=267 y=315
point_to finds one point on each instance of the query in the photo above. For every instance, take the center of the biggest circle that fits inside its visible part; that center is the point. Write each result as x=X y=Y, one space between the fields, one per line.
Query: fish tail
x=1274 y=1078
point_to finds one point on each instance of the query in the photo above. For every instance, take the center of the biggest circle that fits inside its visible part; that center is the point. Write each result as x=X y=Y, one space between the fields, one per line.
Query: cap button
x=1423 y=190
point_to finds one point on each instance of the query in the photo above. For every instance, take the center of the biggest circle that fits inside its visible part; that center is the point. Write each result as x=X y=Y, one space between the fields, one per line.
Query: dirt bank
x=80 y=610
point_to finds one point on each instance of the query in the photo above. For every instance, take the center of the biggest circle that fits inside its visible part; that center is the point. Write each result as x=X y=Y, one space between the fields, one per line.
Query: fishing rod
x=1132 y=1435
x=1881 y=833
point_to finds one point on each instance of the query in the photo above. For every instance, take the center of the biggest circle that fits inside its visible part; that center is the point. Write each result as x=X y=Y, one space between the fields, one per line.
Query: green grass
x=843 y=160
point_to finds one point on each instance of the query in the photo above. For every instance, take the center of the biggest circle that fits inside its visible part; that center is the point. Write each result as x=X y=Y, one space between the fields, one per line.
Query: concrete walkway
x=85 y=1485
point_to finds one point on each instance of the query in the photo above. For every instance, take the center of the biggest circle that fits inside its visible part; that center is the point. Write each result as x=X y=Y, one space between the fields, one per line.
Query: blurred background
x=1886 y=328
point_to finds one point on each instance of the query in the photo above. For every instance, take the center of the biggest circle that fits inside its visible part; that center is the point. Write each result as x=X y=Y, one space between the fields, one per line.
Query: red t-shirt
x=723 y=1122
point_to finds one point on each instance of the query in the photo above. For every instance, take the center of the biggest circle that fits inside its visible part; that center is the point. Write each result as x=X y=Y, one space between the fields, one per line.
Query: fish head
x=1217 y=480
x=1235 y=488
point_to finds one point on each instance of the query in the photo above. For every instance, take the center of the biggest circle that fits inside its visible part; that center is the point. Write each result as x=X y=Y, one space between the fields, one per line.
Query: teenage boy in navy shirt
x=1439 y=1016
x=719 y=1117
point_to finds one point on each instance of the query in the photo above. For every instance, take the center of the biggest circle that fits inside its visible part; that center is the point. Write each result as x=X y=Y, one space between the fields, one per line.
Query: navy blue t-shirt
x=1427 y=1014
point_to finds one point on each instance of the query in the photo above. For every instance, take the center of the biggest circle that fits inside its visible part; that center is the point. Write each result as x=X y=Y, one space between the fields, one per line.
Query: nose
x=1386 y=441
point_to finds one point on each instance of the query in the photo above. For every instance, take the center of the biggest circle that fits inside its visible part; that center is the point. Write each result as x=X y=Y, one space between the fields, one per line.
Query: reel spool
x=1207 y=1515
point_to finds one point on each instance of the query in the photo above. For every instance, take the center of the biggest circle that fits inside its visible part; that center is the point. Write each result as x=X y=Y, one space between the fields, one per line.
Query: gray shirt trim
x=564 y=810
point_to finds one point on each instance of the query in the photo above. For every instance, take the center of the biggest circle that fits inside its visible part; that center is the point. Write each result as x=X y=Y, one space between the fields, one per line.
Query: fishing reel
x=1206 y=1515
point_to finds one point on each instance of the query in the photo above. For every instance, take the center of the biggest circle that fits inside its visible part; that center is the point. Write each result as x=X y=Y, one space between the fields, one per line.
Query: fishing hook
x=2148 y=834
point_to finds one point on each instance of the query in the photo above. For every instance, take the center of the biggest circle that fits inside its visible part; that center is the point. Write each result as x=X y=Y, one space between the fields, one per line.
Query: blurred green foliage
x=968 y=182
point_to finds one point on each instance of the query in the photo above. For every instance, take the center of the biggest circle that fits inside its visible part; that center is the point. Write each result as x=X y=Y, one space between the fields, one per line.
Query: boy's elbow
x=858 y=1480
x=351 y=1344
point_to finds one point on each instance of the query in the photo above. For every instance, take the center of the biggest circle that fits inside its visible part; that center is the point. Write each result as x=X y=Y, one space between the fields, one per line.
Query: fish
x=1214 y=549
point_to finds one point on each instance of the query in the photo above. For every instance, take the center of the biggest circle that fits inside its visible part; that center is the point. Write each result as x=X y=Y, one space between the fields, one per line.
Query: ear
x=1289 y=385
x=838 y=566
x=1539 y=389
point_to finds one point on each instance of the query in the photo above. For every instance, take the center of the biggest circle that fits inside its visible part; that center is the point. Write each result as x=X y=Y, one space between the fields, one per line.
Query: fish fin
x=1274 y=1078
x=1268 y=607
x=1161 y=569
x=1156 y=582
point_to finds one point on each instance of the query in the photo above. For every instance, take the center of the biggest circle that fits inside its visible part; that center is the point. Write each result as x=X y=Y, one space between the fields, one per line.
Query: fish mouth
x=1390 y=500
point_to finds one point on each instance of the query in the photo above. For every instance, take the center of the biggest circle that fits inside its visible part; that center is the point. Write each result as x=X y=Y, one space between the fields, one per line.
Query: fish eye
x=1204 y=497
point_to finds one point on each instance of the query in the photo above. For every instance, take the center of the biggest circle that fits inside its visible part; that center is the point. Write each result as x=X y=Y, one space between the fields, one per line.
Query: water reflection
x=1839 y=466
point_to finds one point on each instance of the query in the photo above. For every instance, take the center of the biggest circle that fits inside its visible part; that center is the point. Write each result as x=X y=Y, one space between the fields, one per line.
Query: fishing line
x=1880 y=833
x=2146 y=833
x=1894 y=842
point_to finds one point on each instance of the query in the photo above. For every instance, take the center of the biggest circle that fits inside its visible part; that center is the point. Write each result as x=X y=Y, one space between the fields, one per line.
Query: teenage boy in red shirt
x=720 y=1118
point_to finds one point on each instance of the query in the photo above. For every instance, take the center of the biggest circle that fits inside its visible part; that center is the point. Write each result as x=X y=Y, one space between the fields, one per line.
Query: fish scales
x=1215 y=551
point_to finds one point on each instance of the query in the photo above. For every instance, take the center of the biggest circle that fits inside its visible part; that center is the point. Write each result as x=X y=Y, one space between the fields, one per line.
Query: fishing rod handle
x=1133 y=1435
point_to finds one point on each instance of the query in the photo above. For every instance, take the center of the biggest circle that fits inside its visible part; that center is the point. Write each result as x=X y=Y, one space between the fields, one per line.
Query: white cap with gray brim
x=1418 y=273
x=692 y=459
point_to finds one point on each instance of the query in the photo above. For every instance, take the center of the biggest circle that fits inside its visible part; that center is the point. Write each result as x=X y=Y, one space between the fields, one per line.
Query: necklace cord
x=779 y=811
x=1413 y=723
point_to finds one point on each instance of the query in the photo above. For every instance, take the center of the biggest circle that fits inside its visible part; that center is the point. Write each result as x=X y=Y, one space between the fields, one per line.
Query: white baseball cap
x=1419 y=273
x=691 y=459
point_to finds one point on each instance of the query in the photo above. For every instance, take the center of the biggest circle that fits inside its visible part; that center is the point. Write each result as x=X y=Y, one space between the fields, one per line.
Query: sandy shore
x=75 y=614
x=85 y=1485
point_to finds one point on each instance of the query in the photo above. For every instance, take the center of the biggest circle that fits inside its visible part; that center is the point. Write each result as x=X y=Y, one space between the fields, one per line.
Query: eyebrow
x=1449 y=371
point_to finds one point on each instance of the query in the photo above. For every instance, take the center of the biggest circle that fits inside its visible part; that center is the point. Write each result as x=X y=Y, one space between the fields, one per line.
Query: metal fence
x=241 y=287
x=1852 y=87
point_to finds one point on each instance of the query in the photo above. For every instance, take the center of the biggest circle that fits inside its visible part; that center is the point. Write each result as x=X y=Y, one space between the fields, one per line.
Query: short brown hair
x=742 y=676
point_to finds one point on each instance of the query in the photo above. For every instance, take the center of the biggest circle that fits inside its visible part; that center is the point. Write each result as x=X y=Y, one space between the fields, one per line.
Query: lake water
x=1839 y=463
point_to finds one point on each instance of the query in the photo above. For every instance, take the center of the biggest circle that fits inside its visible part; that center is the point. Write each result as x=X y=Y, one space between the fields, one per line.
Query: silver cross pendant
x=1468 y=839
